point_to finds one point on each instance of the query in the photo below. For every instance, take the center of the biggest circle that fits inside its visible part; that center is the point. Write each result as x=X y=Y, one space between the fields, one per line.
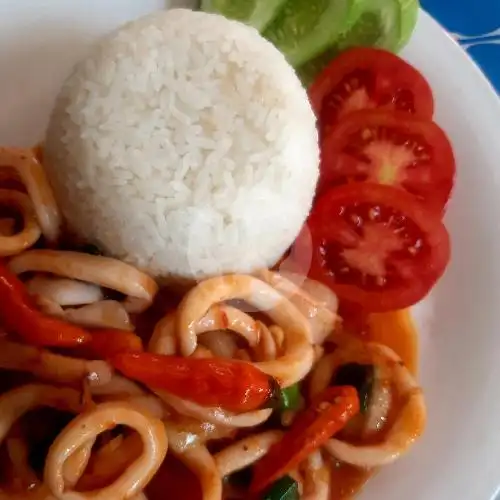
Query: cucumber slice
x=303 y=29
x=386 y=24
x=410 y=10
x=256 y=13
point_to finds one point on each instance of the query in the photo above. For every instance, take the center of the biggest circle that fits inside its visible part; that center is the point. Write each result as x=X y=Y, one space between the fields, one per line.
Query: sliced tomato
x=368 y=78
x=375 y=246
x=390 y=148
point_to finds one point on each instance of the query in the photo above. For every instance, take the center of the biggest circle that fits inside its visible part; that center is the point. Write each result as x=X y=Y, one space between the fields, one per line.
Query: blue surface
x=476 y=25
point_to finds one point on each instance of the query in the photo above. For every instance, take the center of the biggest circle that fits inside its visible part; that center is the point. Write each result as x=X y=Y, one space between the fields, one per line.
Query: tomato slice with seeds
x=369 y=78
x=390 y=148
x=375 y=246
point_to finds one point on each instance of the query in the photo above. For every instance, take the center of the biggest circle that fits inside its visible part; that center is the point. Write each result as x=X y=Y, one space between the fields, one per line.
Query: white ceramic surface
x=459 y=457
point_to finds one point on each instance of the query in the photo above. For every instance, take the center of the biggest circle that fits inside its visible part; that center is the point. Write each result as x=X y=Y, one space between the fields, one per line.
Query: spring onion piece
x=285 y=488
x=256 y=13
x=290 y=398
x=362 y=377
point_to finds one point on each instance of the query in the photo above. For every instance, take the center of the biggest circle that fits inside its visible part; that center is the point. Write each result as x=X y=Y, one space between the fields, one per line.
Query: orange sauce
x=175 y=481
x=347 y=481
x=396 y=330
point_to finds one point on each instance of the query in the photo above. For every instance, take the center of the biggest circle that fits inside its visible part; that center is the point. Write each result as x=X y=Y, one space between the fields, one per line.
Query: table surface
x=476 y=25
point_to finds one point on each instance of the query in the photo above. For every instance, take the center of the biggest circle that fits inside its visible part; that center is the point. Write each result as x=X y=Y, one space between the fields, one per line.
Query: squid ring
x=409 y=423
x=298 y=356
x=14 y=404
x=12 y=245
x=85 y=428
x=103 y=271
x=32 y=174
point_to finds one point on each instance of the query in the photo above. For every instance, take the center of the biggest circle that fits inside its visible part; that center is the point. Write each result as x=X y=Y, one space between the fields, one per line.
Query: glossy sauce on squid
x=397 y=331
x=394 y=329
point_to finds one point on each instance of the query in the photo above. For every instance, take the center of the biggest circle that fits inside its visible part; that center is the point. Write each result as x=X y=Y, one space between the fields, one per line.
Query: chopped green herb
x=285 y=488
x=291 y=398
x=362 y=377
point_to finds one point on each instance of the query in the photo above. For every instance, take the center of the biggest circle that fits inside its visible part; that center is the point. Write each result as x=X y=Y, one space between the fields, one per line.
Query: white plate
x=459 y=457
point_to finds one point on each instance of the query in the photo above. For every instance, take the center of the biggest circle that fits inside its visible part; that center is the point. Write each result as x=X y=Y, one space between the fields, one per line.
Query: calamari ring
x=86 y=427
x=163 y=341
x=18 y=453
x=17 y=243
x=410 y=422
x=219 y=317
x=110 y=460
x=14 y=404
x=53 y=367
x=245 y=452
x=32 y=174
x=298 y=356
x=225 y=317
x=317 y=478
x=199 y=460
x=185 y=433
x=103 y=271
x=320 y=311
x=216 y=416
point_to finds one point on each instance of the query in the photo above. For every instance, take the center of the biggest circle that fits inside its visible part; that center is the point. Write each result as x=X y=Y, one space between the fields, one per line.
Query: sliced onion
x=104 y=314
x=65 y=292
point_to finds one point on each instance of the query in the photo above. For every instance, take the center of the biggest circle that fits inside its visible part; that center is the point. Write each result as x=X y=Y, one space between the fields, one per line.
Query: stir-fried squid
x=12 y=244
x=298 y=356
x=139 y=288
x=30 y=171
x=86 y=427
x=272 y=346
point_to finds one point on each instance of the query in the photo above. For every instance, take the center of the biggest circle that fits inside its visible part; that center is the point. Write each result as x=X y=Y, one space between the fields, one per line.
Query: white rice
x=185 y=144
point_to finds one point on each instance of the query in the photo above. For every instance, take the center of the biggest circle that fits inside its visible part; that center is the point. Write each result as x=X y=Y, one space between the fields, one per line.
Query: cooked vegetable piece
x=328 y=414
x=108 y=342
x=361 y=377
x=257 y=13
x=233 y=385
x=19 y=315
x=285 y=488
x=305 y=28
x=290 y=398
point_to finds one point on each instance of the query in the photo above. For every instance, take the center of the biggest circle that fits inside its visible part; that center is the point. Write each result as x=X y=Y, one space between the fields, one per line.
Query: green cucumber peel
x=256 y=13
x=303 y=29
x=410 y=10
x=386 y=24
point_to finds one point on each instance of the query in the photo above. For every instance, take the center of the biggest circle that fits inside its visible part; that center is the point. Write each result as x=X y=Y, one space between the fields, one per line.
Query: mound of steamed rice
x=184 y=144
